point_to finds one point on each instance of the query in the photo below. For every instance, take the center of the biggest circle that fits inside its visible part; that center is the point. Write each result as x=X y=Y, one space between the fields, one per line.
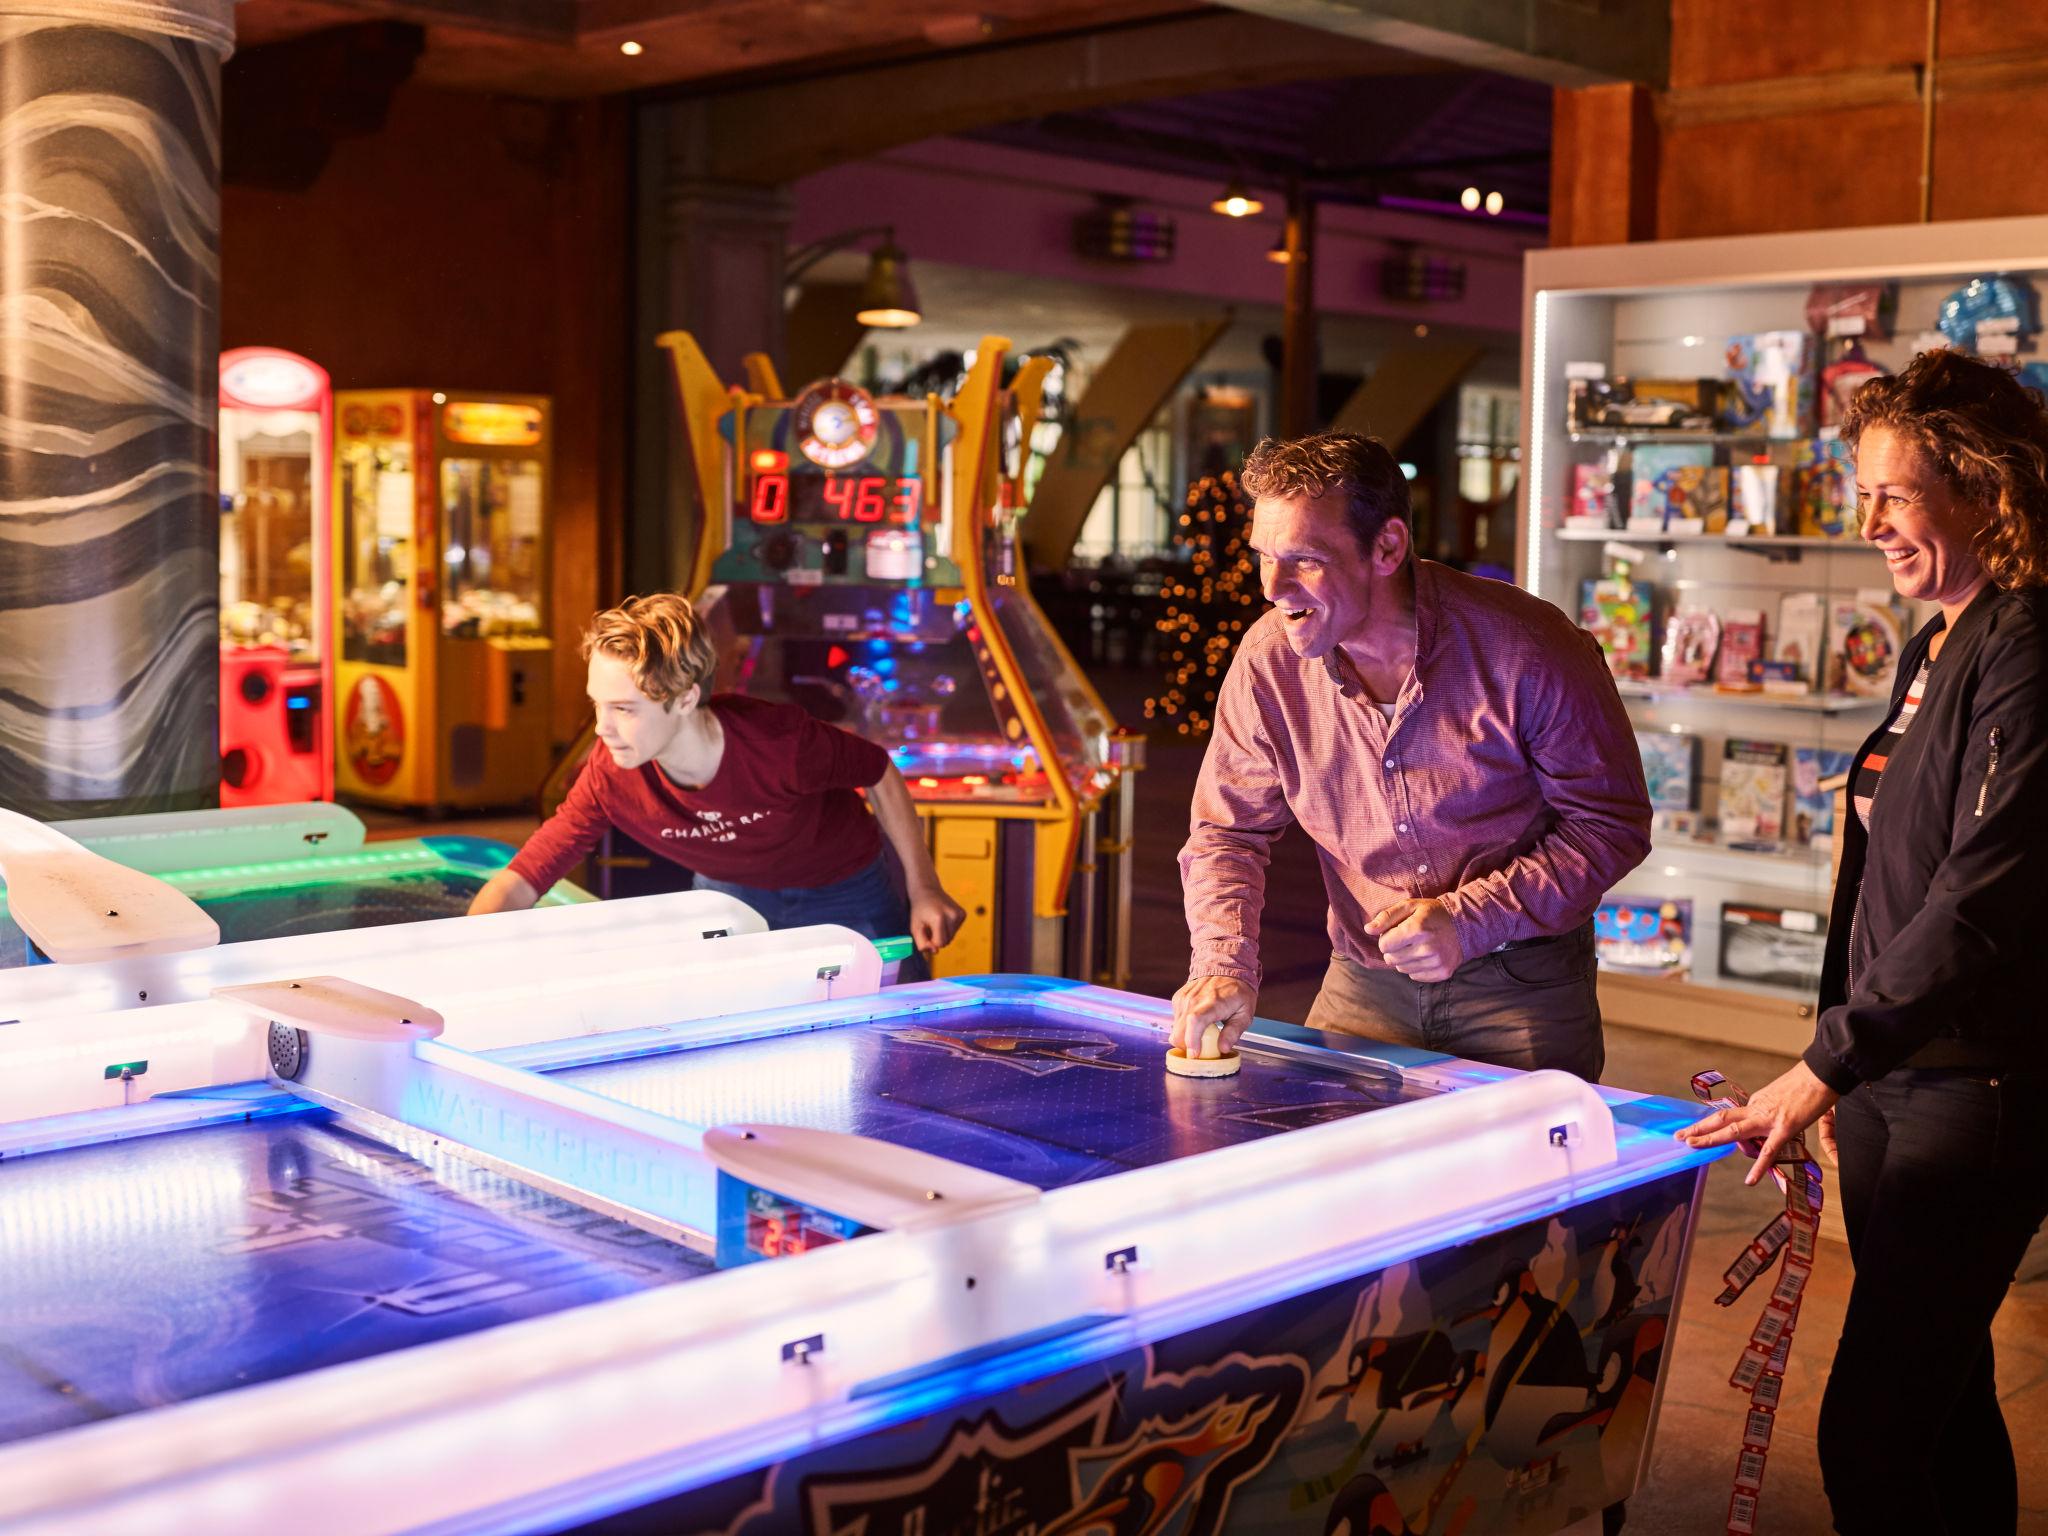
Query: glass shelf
x=1723 y=540
x=1669 y=435
x=1806 y=703
x=1790 y=868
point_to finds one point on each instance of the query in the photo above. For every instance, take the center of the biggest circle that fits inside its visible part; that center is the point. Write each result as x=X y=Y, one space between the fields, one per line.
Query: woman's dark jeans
x=1944 y=1181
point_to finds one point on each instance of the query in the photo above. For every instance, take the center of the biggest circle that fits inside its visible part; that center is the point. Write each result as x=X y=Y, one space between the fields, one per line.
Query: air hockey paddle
x=76 y=906
x=1213 y=1061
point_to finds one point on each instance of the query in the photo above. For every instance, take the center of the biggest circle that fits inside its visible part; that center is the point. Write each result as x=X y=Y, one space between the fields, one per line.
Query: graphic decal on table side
x=1504 y=1385
x=1156 y=1454
x=1040 y=1054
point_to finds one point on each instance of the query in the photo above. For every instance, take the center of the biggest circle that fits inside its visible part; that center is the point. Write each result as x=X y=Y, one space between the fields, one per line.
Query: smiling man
x=1456 y=750
x=756 y=797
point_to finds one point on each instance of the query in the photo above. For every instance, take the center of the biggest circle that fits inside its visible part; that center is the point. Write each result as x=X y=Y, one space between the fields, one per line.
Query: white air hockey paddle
x=332 y=1005
x=77 y=906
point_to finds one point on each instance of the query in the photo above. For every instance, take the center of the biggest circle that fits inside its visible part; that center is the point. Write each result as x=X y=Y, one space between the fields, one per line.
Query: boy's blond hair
x=661 y=641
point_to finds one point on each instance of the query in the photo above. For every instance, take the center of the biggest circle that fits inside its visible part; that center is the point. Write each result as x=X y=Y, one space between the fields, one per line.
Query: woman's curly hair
x=1987 y=435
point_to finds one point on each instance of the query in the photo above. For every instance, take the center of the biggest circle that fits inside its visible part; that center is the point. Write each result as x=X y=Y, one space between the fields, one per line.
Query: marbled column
x=109 y=337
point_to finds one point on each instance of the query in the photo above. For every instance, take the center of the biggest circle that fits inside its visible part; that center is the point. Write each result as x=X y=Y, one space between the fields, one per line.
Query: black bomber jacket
x=1940 y=912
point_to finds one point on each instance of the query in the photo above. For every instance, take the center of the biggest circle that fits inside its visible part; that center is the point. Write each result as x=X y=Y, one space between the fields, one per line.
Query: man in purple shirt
x=1457 y=751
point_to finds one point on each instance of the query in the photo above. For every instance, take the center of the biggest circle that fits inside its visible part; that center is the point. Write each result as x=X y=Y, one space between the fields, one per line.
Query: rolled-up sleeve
x=1582 y=752
x=1239 y=808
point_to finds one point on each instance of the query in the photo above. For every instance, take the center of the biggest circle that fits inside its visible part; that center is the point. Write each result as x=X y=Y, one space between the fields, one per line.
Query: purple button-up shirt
x=1507 y=785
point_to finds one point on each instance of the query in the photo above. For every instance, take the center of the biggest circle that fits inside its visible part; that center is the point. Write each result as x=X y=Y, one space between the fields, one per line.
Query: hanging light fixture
x=888 y=300
x=1278 y=253
x=1235 y=201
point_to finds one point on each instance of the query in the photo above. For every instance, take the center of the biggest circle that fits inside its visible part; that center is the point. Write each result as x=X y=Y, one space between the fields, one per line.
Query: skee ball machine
x=441 y=549
x=865 y=565
x=276 y=604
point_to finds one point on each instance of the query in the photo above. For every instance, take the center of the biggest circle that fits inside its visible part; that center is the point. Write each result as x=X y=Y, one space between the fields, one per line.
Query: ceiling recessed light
x=1495 y=202
x=1469 y=199
x=631 y=49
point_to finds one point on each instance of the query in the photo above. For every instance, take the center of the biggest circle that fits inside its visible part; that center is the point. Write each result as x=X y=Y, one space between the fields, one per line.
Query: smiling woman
x=1929 y=1031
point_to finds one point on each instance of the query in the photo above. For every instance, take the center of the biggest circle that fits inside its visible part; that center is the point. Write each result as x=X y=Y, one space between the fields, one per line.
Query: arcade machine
x=262 y=872
x=441 y=548
x=866 y=566
x=463 y=1228
x=276 y=599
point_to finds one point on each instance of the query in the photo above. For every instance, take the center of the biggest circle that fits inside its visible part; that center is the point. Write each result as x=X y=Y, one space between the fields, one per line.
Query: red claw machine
x=276 y=614
x=441 y=550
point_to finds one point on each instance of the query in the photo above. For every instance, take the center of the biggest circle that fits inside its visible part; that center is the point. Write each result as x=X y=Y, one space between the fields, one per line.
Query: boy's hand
x=934 y=918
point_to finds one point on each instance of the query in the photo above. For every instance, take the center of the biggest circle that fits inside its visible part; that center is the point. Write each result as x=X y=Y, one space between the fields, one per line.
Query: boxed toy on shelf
x=1773 y=946
x=1671 y=768
x=1617 y=611
x=1753 y=785
x=1650 y=937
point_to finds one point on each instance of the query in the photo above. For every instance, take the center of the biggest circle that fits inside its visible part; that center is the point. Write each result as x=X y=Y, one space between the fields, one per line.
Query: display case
x=441 y=550
x=276 y=613
x=1681 y=402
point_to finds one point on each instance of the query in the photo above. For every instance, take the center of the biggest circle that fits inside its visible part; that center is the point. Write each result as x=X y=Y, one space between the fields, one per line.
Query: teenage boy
x=757 y=798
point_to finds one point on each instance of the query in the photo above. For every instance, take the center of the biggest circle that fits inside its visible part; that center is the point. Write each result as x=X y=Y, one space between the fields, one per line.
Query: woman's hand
x=1775 y=1114
x=1827 y=1139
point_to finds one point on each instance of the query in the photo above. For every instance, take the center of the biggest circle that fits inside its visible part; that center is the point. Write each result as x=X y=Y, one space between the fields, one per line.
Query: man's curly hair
x=660 y=639
x=1358 y=468
x=1987 y=436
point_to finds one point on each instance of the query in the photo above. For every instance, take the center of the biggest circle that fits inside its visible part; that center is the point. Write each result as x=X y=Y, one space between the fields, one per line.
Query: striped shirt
x=1871 y=769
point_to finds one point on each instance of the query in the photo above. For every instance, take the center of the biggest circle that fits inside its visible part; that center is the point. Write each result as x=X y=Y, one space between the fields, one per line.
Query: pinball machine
x=863 y=562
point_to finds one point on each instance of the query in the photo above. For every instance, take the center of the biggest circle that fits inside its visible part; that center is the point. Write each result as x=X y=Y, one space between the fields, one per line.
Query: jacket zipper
x=1997 y=739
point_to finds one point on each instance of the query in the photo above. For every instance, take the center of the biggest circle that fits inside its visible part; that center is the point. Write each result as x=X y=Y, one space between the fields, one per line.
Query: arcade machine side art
x=441 y=548
x=276 y=599
x=867 y=569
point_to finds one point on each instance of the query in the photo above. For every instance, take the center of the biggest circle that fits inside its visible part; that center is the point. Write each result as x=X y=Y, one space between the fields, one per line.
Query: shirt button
x=1422 y=869
x=1401 y=826
x=1390 y=762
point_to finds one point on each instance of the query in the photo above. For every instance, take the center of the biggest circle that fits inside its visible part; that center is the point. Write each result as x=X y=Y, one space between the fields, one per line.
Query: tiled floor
x=1698 y=1434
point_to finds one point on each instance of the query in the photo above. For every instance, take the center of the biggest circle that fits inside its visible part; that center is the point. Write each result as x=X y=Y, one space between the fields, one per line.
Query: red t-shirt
x=780 y=811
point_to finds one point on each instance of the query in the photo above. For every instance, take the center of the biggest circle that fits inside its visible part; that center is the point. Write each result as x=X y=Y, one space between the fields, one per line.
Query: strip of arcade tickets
x=1788 y=1235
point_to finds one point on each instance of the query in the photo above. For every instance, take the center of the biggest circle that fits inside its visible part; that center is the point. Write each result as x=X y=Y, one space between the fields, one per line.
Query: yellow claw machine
x=440 y=568
x=863 y=562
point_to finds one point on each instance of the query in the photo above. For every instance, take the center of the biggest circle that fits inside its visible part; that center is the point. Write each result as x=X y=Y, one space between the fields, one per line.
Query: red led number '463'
x=846 y=499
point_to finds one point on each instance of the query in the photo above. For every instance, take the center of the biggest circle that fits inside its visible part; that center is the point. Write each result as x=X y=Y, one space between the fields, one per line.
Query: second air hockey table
x=269 y=871
x=558 y=1218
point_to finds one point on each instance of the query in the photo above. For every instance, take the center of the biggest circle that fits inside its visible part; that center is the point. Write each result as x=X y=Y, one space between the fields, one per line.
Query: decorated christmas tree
x=1209 y=606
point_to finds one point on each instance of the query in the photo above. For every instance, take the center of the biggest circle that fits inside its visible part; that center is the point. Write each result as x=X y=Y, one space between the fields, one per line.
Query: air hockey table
x=564 y=1218
x=266 y=871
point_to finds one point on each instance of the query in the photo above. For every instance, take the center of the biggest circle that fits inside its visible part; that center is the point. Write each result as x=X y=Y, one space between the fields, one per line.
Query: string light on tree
x=1206 y=614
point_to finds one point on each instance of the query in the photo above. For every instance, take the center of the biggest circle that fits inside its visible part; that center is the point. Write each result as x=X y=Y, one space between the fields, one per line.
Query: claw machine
x=441 y=551
x=276 y=608
x=863 y=563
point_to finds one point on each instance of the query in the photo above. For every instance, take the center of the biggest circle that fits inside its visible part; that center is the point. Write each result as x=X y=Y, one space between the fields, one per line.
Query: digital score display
x=883 y=500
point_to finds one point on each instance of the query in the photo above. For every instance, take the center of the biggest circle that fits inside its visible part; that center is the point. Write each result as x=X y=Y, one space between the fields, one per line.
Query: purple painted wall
x=1009 y=210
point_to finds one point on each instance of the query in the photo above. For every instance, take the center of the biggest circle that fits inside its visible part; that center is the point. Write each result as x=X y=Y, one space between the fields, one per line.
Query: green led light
x=894 y=949
x=126 y=1069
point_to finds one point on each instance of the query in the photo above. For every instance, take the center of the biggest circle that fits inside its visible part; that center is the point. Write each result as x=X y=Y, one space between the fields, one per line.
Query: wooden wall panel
x=1718 y=42
x=1828 y=170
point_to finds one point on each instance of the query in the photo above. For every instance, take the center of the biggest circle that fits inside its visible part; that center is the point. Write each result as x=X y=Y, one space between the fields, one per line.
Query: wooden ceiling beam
x=775 y=135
